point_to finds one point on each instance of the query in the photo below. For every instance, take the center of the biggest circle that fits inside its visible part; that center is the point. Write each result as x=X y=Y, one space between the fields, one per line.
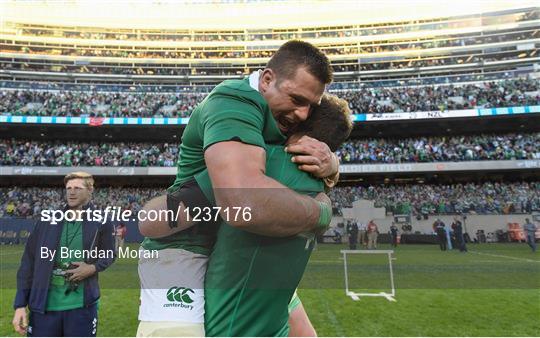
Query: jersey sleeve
x=227 y=119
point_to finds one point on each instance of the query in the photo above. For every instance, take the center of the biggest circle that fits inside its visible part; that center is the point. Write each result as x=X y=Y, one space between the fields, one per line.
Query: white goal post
x=356 y=296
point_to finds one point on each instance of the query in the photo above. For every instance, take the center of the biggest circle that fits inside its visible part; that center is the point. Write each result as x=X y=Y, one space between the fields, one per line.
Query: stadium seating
x=428 y=199
x=507 y=93
x=143 y=154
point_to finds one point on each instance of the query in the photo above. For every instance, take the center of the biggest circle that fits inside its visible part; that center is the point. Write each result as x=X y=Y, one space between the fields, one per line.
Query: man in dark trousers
x=438 y=226
x=394 y=233
x=57 y=279
x=458 y=234
x=352 y=231
x=529 y=229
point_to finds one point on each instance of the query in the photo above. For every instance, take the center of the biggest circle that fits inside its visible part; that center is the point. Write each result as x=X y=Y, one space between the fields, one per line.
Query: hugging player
x=236 y=300
x=227 y=135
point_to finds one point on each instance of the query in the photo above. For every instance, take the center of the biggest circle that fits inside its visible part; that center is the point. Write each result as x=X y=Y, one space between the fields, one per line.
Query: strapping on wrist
x=325 y=215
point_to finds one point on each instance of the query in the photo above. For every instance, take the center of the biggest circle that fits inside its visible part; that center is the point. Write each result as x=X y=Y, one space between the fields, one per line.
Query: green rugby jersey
x=250 y=278
x=232 y=111
x=57 y=299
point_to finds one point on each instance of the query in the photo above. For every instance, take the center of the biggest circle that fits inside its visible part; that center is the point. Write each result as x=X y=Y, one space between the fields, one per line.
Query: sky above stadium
x=245 y=14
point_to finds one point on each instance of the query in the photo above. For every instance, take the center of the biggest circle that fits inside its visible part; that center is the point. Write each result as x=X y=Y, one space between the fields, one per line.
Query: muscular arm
x=160 y=227
x=299 y=323
x=237 y=171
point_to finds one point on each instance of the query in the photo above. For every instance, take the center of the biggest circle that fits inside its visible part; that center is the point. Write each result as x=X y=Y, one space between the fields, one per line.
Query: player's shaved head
x=296 y=54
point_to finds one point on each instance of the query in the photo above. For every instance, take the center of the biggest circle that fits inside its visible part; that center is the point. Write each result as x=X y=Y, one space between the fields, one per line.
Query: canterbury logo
x=180 y=294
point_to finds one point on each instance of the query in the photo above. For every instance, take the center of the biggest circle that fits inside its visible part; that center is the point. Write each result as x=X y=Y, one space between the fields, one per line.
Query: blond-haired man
x=57 y=279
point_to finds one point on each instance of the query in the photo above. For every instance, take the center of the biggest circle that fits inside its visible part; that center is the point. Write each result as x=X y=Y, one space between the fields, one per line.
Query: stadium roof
x=222 y=15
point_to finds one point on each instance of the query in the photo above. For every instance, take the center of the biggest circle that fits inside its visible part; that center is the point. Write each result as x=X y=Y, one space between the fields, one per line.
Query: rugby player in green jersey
x=251 y=278
x=258 y=280
x=228 y=134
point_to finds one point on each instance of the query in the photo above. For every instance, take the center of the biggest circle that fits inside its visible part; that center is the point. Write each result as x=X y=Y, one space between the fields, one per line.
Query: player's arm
x=299 y=323
x=237 y=172
x=161 y=227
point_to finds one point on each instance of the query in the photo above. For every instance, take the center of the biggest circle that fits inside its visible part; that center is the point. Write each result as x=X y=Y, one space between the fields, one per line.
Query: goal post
x=356 y=296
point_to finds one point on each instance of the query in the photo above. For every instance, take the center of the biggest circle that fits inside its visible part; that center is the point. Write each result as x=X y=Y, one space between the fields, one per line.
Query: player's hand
x=20 y=321
x=314 y=157
x=82 y=271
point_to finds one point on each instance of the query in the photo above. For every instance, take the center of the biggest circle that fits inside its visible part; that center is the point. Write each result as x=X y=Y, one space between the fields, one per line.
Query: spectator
x=458 y=234
x=352 y=232
x=394 y=234
x=439 y=228
x=362 y=231
x=372 y=234
x=530 y=232
x=119 y=236
x=10 y=208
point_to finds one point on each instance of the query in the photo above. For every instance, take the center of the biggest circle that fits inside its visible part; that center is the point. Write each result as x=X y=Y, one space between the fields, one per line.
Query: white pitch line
x=323 y=260
x=489 y=261
x=503 y=256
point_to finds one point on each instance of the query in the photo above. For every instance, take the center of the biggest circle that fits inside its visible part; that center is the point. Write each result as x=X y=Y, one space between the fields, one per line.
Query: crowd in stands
x=61 y=153
x=364 y=63
x=304 y=33
x=333 y=87
x=143 y=154
x=442 y=98
x=367 y=47
x=517 y=92
x=442 y=149
x=70 y=103
x=423 y=199
x=29 y=202
x=420 y=200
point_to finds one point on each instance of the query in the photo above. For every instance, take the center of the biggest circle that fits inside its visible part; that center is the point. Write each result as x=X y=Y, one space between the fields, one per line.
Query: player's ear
x=266 y=78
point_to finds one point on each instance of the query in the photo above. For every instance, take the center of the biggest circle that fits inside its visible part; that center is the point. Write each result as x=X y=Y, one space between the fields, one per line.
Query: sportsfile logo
x=180 y=297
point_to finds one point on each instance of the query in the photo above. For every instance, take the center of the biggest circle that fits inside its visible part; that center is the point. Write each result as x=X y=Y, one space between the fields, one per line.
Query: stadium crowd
x=185 y=69
x=516 y=92
x=143 y=154
x=367 y=47
x=94 y=104
x=442 y=149
x=304 y=33
x=29 y=202
x=334 y=86
x=420 y=200
x=424 y=200
x=60 y=153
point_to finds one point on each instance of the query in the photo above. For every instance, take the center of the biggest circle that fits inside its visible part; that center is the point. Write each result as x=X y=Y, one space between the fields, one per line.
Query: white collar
x=254 y=80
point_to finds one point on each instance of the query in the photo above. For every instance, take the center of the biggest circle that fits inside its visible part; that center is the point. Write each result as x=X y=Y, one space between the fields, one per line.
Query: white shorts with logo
x=172 y=287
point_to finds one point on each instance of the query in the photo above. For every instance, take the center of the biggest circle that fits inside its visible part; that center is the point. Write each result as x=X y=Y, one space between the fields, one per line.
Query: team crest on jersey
x=179 y=297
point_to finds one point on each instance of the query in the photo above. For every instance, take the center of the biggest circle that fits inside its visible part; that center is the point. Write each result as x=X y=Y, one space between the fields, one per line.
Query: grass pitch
x=493 y=290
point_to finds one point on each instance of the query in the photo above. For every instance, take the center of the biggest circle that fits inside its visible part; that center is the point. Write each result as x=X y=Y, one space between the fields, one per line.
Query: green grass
x=494 y=290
